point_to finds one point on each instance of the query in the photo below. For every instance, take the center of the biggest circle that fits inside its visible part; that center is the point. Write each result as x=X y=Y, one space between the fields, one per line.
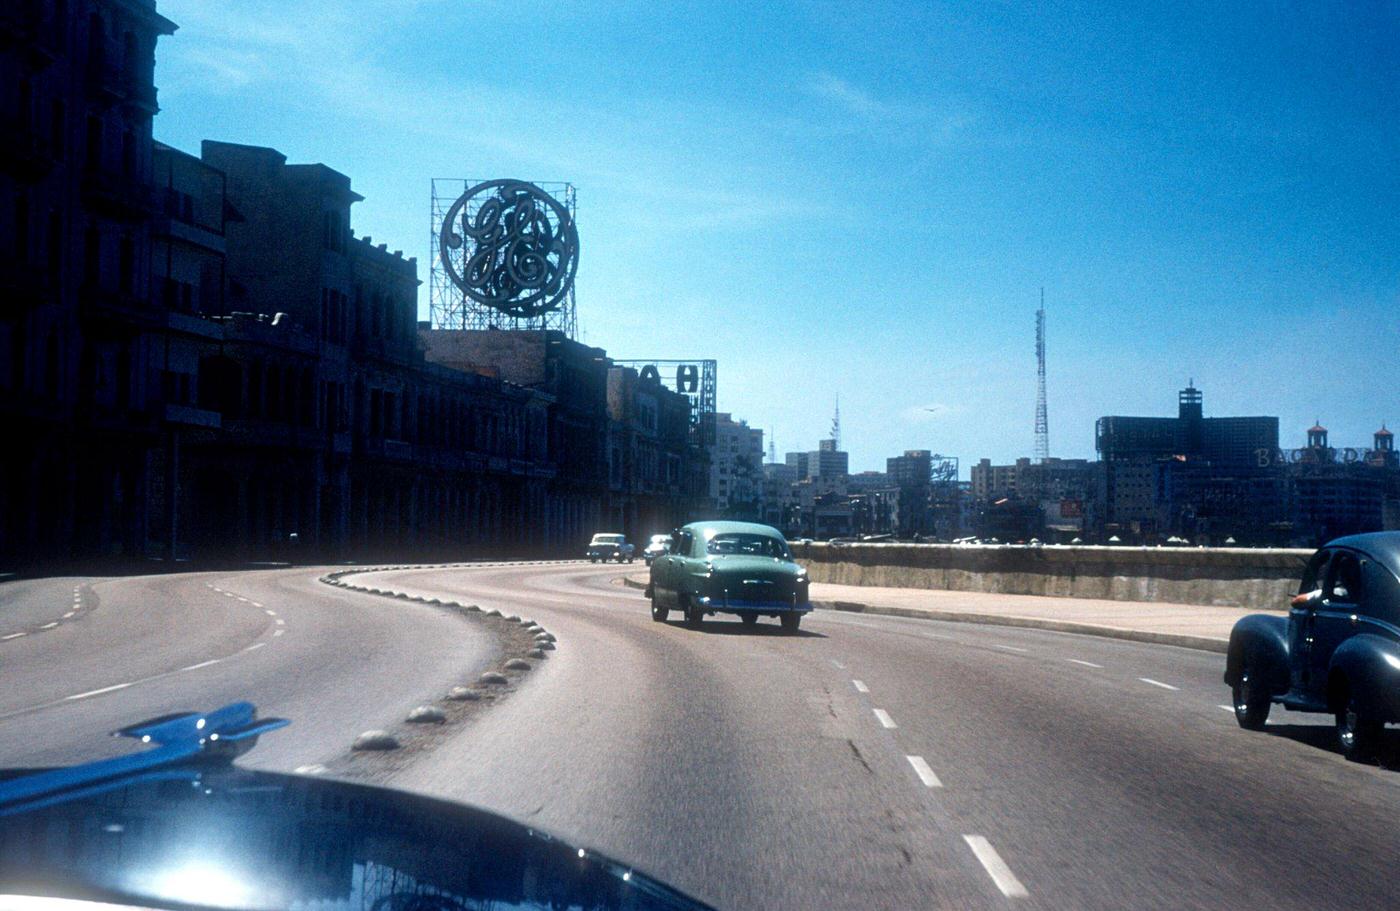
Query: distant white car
x=607 y=546
x=656 y=547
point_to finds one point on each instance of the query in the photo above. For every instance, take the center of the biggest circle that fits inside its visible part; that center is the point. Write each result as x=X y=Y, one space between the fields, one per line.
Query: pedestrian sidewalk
x=1189 y=625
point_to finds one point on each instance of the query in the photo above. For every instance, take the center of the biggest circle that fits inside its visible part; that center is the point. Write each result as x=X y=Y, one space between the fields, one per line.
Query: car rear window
x=740 y=543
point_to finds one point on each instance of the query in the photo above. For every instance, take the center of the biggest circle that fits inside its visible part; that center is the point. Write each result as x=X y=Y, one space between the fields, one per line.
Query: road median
x=1186 y=626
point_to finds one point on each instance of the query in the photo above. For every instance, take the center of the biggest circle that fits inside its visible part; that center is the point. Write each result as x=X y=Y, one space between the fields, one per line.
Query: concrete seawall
x=1233 y=577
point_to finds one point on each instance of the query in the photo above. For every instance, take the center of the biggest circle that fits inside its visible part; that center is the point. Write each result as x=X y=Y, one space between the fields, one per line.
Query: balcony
x=26 y=154
x=36 y=36
x=23 y=284
x=119 y=195
x=122 y=307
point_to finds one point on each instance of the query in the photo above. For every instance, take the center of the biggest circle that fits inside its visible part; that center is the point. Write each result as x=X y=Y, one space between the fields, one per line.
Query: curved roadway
x=868 y=762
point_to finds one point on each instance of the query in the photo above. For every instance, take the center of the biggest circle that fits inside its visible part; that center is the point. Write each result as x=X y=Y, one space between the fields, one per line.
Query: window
x=333 y=232
x=126 y=265
x=1345 y=576
x=93 y=152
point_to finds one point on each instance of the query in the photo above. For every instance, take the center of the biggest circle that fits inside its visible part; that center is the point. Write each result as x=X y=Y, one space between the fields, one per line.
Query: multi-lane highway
x=868 y=762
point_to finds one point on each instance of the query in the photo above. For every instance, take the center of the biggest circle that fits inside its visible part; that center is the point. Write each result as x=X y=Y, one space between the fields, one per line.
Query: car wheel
x=694 y=614
x=659 y=613
x=1251 y=706
x=592 y=559
x=1358 y=737
x=749 y=619
x=791 y=621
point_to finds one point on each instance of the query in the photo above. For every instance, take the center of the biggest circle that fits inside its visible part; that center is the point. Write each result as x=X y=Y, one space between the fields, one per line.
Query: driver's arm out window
x=1312 y=576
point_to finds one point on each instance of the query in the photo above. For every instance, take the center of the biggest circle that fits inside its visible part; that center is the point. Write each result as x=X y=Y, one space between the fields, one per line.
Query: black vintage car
x=1337 y=651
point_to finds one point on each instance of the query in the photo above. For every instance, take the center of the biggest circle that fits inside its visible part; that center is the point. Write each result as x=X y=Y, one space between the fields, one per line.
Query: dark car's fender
x=1368 y=667
x=1261 y=642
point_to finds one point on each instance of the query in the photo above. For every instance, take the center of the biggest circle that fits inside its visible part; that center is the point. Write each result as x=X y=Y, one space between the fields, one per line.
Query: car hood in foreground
x=203 y=836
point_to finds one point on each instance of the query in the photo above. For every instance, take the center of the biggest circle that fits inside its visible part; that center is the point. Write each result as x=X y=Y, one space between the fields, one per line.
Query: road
x=868 y=762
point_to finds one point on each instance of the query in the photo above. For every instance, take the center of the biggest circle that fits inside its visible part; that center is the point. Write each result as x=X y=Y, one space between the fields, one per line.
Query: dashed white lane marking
x=255 y=604
x=885 y=718
x=13 y=636
x=1165 y=686
x=49 y=625
x=195 y=667
x=69 y=614
x=1228 y=708
x=270 y=613
x=860 y=686
x=278 y=632
x=1085 y=663
x=105 y=689
x=255 y=646
x=996 y=868
x=243 y=599
x=1010 y=648
x=925 y=774
x=838 y=664
x=280 y=622
x=313 y=769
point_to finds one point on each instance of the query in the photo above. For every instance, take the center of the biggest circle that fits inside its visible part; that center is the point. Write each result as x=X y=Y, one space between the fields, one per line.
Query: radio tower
x=836 y=424
x=1042 y=423
x=772 y=447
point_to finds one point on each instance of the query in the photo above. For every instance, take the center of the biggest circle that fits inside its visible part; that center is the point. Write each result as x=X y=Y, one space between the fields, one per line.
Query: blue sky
x=865 y=199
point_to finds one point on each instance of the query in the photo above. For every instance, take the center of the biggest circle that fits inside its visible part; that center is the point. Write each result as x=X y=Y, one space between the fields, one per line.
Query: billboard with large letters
x=694 y=379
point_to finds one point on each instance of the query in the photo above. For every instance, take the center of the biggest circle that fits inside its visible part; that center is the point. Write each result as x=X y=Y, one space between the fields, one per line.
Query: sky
x=865 y=199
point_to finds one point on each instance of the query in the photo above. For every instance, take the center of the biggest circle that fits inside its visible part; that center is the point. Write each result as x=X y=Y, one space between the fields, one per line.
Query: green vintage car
x=729 y=567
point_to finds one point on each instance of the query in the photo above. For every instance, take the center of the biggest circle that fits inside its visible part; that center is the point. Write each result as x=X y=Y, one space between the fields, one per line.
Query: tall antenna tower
x=1042 y=422
x=772 y=447
x=836 y=424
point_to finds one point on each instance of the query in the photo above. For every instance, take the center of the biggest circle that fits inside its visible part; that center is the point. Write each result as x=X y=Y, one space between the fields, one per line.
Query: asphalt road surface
x=870 y=762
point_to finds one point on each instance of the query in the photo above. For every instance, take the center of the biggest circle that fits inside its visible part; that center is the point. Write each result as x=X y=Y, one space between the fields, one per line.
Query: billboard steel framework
x=503 y=255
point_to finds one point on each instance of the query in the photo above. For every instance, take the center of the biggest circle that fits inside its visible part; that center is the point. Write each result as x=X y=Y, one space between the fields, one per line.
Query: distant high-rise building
x=736 y=467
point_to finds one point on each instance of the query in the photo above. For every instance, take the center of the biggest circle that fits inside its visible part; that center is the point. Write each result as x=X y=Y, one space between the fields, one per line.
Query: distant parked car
x=608 y=546
x=656 y=547
x=1337 y=651
x=729 y=567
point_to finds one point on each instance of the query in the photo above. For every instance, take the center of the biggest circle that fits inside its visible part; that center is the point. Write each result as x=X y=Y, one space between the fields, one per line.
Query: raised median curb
x=1200 y=643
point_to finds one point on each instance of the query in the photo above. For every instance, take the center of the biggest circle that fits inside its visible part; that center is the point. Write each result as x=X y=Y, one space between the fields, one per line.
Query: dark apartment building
x=80 y=394
x=199 y=357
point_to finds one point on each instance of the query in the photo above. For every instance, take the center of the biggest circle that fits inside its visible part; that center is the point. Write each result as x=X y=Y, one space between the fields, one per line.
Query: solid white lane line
x=1165 y=686
x=49 y=625
x=996 y=868
x=1010 y=648
x=195 y=667
x=925 y=774
x=13 y=636
x=105 y=689
x=860 y=686
x=255 y=646
x=1085 y=663
x=885 y=718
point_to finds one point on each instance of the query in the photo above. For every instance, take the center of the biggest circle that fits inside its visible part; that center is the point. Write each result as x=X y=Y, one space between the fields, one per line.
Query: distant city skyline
x=848 y=207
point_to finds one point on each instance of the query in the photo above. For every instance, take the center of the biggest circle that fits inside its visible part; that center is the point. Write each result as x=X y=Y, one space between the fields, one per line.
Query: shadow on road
x=737 y=628
x=1324 y=737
